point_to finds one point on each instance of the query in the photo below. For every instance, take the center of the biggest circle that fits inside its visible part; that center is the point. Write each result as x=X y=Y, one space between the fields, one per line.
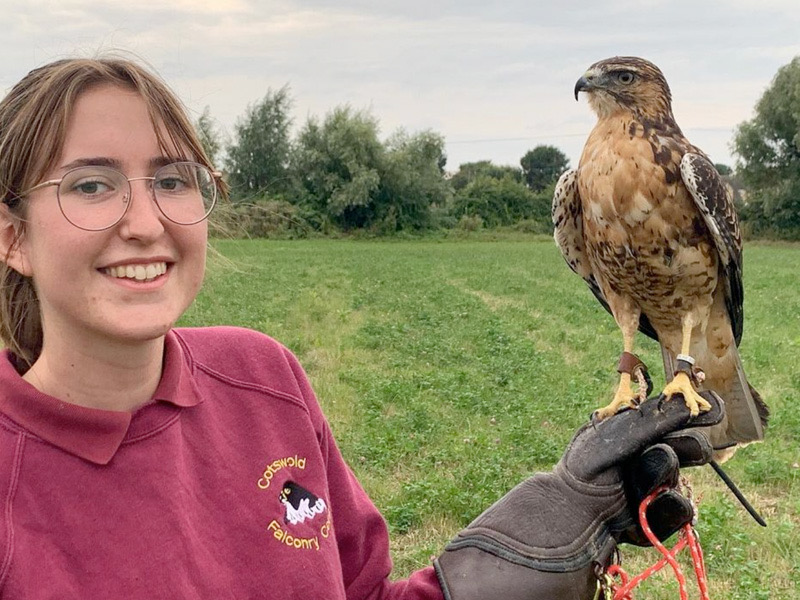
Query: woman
x=143 y=461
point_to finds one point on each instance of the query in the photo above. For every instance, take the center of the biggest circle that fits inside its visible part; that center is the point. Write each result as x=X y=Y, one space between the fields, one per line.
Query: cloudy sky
x=495 y=78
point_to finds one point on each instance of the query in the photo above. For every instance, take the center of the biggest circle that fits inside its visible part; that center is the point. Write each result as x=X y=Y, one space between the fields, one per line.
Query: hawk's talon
x=682 y=384
x=601 y=414
x=623 y=399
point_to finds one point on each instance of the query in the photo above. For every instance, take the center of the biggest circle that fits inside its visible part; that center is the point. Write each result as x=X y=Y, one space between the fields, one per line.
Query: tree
x=542 y=166
x=336 y=166
x=722 y=169
x=412 y=180
x=469 y=172
x=768 y=148
x=209 y=135
x=500 y=201
x=258 y=160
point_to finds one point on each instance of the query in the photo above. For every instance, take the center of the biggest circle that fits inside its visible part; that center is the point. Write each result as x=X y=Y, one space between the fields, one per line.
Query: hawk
x=648 y=223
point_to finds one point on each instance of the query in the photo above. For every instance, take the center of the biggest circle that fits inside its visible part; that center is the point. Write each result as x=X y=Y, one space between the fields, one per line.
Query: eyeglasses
x=95 y=198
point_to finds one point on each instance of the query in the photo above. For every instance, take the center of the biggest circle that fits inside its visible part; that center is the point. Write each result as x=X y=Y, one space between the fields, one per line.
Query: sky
x=494 y=78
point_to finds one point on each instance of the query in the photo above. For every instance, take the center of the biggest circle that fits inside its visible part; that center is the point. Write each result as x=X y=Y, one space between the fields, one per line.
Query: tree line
x=337 y=174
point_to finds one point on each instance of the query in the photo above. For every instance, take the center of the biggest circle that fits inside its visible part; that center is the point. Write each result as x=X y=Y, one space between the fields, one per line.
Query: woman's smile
x=138 y=271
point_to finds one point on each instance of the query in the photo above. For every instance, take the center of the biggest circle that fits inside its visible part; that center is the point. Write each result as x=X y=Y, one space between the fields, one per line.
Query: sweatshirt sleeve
x=361 y=533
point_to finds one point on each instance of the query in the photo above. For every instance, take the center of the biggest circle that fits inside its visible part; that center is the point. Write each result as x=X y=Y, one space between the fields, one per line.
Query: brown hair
x=33 y=121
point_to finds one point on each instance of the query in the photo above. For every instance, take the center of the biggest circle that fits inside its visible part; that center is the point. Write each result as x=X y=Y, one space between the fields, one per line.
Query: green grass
x=450 y=370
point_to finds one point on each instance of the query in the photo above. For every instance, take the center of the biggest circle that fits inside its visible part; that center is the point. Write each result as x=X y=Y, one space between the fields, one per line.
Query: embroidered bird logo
x=300 y=504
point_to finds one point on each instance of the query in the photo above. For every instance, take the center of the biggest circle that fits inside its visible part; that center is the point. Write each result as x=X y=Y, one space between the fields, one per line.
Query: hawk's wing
x=568 y=221
x=716 y=206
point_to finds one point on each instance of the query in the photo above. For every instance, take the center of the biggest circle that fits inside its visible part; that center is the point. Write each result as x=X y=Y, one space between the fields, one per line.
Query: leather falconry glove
x=544 y=538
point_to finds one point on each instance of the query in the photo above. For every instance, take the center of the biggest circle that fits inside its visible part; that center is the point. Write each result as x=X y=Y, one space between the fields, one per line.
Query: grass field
x=450 y=370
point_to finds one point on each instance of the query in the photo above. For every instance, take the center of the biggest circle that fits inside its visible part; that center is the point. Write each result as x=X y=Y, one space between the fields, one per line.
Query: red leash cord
x=624 y=591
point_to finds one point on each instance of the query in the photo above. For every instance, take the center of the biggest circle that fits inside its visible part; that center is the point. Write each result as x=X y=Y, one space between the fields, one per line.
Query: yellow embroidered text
x=277 y=465
x=293 y=542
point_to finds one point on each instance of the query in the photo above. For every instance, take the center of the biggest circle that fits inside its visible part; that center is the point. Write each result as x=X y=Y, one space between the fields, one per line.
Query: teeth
x=145 y=272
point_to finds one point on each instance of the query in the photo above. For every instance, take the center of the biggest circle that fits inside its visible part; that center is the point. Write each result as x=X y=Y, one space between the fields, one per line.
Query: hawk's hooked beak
x=582 y=85
x=590 y=81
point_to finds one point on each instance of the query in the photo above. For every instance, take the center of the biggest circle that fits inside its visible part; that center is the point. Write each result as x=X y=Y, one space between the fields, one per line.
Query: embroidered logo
x=306 y=519
x=300 y=504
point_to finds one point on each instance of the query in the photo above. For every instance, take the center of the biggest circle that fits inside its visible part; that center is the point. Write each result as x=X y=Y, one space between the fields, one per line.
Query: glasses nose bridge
x=150 y=185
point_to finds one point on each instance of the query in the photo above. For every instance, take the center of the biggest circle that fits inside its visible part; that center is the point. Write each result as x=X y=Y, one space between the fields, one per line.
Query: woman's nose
x=142 y=220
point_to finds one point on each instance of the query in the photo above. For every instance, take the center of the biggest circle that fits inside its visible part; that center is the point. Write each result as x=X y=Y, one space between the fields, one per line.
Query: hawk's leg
x=682 y=381
x=625 y=397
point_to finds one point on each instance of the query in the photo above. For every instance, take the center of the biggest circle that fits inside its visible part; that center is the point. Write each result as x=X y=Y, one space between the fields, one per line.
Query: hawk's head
x=626 y=84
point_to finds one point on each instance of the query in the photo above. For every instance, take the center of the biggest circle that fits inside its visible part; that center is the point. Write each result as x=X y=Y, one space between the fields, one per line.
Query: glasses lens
x=93 y=198
x=185 y=192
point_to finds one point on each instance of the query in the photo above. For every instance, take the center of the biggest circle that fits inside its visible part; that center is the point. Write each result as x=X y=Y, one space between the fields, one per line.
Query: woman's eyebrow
x=162 y=161
x=103 y=161
x=94 y=161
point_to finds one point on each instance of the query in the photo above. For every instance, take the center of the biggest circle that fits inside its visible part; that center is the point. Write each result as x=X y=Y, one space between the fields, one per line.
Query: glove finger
x=655 y=467
x=692 y=447
x=667 y=514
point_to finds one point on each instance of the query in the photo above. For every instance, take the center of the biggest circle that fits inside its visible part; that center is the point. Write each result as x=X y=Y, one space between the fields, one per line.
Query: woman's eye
x=91 y=188
x=625 y=77
x=170 y=184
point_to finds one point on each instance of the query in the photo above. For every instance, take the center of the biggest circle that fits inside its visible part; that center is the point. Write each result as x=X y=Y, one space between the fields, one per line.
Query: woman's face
x=82 y=277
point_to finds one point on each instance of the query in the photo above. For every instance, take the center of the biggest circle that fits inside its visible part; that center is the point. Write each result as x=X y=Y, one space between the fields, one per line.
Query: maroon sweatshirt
x=228 y=484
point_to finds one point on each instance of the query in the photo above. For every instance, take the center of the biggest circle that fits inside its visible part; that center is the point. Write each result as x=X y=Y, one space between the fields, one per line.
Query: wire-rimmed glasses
x=96 y=197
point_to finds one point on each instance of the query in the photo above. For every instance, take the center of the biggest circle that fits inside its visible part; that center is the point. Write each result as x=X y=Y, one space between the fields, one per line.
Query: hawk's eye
x=625 y=77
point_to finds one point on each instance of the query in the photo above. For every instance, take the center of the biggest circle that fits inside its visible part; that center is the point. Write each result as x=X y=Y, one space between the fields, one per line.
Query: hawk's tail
x=761 y=406
x=746 y=413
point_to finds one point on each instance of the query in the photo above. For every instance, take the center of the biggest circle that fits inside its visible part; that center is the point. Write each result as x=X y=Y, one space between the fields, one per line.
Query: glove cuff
x=529 y=539
x=472 y=574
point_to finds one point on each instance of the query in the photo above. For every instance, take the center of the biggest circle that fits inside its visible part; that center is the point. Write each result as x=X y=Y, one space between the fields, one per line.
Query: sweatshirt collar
x=89 y=433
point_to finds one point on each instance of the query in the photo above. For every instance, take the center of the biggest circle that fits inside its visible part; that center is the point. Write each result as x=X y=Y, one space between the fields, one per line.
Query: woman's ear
x=12 y=250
